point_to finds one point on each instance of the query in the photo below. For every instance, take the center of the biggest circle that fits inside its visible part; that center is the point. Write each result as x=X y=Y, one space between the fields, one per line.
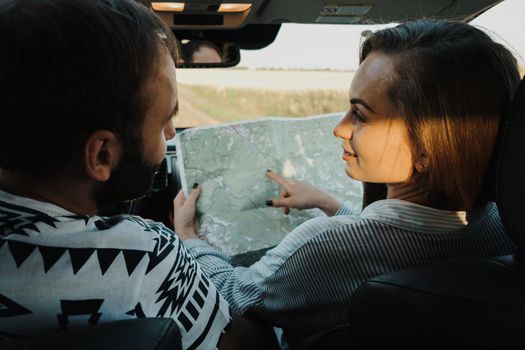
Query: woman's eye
x=358 y=118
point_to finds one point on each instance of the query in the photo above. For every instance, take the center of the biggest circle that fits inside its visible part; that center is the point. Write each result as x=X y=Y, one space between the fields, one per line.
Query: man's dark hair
x=452 y=84
x=69 y=68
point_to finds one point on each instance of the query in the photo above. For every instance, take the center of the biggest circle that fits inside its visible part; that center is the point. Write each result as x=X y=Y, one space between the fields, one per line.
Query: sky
x=337 y=46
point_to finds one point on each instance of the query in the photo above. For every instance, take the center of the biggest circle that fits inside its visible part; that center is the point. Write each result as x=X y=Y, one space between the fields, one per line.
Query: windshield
x=306 y=71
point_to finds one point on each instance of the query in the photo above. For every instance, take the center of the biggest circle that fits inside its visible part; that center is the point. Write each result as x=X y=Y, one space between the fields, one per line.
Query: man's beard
x=132 y=179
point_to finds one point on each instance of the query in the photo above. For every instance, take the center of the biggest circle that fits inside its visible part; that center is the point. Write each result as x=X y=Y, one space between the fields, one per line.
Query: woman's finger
x=281 y=180
x=195 y=193
x=179 y=199
x=285 y=194
x=279 y=202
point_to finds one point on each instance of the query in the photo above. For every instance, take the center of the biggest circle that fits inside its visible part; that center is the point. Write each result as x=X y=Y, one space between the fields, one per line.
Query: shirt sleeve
x=258 y=289
x=175 y=286
x=240 y=286
x=349 y=208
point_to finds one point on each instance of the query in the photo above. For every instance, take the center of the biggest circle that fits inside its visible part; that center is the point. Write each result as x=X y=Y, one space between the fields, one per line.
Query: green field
x=213 y=96
x=210 y=104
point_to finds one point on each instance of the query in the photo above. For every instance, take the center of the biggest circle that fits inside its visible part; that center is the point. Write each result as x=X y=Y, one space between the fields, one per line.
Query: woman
x=425 y=106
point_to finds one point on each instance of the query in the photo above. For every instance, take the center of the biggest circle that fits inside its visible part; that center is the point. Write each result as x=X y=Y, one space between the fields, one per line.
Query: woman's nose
x=343 y=129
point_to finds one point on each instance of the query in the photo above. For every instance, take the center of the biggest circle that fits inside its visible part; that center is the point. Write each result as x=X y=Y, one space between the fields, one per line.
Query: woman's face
x=375 y=140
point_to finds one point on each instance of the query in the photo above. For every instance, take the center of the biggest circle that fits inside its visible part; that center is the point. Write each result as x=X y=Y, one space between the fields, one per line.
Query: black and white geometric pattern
x=8 y=308
x=20 y=251
x=60 y=270
x=15 y=219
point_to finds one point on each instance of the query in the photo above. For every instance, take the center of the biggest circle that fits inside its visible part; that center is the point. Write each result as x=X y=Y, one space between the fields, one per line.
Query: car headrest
x=510 y=169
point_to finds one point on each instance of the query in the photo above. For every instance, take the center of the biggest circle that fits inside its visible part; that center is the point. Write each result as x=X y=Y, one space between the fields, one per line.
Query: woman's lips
x=349 y=155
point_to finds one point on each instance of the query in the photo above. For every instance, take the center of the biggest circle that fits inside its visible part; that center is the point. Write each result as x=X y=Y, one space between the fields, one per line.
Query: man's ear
x=102 y=152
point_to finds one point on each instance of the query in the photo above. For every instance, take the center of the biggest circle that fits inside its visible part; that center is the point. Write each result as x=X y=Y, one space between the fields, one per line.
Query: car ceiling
x=258 y=26
x=377 y=11
x=347 y=11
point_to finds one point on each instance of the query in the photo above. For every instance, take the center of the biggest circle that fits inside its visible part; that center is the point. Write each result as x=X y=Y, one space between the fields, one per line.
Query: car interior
x=253 y=26
x=471 y=304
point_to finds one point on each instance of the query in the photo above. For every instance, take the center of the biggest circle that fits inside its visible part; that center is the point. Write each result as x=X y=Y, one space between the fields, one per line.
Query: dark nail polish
x=269 y=203
x=195 y=185
x=268 y=171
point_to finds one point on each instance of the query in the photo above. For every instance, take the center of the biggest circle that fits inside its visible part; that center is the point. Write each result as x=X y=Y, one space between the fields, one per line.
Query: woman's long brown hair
x=452 y=83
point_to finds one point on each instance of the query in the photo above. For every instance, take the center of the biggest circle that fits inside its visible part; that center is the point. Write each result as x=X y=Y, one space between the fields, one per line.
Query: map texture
x=230 y=161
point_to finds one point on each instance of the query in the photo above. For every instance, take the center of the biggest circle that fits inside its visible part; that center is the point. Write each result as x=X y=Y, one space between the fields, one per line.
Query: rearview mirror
x=208 y=54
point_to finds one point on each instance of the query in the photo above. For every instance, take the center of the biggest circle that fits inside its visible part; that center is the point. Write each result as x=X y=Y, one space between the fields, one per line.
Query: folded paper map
x=229 y=162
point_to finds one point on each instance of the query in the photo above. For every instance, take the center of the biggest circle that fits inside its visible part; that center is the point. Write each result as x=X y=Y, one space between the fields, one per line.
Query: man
x=87 y=94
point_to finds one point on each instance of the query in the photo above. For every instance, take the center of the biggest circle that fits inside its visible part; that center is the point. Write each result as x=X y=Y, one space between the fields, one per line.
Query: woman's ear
x=102 y=152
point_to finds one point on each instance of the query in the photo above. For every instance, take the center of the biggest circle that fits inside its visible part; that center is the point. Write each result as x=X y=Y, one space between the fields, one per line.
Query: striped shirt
x=305 y=283
x=60 y=270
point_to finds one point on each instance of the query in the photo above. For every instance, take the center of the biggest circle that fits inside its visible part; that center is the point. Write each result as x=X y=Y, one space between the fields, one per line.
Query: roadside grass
x=236 y=104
